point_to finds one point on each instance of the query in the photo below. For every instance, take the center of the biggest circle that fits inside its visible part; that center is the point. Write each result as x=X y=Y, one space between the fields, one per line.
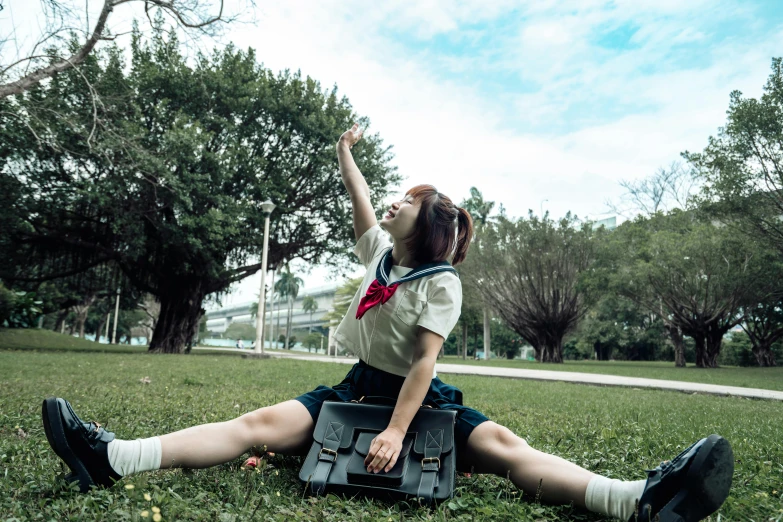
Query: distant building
x=219 y=320
x=610 y=223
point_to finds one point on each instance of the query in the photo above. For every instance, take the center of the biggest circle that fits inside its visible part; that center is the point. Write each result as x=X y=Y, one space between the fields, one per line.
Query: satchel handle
x=382 y=400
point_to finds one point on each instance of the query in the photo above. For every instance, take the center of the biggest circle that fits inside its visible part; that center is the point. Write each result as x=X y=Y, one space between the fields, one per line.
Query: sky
x=541 y=105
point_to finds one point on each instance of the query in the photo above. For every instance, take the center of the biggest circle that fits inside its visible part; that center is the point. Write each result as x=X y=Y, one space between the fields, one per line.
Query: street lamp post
x=266 y=207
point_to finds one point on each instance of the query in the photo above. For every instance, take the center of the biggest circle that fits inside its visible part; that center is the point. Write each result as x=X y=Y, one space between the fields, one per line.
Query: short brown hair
x=435 y=237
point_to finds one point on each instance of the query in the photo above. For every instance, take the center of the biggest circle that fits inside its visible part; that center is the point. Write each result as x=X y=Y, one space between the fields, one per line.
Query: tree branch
x=28 y=81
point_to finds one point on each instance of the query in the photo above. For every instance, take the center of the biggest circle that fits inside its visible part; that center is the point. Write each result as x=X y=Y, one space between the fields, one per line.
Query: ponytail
x=464 y=235
x=442 y=231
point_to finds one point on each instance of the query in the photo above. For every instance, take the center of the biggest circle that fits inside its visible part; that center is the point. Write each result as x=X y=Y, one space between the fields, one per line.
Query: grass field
x=46 y=340
x=614 y=431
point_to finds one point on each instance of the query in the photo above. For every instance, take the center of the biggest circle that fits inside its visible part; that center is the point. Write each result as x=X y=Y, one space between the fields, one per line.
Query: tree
x=506 y=342
x=151 y=308
x=243 y=331
x=663 y=191
x=309 y=305
x=168 y=187
x=762 y=315
x=288 y=287
x=618 y=327
x=529 y=271
x=313 y=340
x=742 y=164
x=685 y=269
x=61 y=19
x=81 y=310
x=342 y=300
x=763 y=323
x=479 y=208
x=472 y=304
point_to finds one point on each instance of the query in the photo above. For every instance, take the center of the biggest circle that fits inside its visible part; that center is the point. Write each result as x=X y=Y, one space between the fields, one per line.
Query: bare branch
x=662 y=191
x=186 y=14
x=33 y=57
x=28 y=81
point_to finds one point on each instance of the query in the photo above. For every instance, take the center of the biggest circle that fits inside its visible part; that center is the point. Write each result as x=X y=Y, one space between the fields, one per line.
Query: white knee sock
x=616 y=498
x=133 y=456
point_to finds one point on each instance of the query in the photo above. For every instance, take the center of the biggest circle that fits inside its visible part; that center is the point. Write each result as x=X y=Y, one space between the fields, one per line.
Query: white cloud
x=637 y=109
x=447 y=133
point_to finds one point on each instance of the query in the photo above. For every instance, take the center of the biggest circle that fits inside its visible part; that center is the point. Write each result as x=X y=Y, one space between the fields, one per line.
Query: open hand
x=384 y=451
x=351 y=136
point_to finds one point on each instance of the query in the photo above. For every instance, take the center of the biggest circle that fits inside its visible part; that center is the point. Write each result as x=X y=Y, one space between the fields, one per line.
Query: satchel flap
x=364 y=441
x=348 y=416
x=338 y=420
x=433 y=428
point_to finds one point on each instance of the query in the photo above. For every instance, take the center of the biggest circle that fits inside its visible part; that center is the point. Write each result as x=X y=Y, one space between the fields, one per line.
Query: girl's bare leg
x=283 y=428
x=495 y=449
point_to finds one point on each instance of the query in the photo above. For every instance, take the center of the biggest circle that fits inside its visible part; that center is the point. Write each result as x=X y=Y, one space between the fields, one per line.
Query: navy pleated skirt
x=364 y=381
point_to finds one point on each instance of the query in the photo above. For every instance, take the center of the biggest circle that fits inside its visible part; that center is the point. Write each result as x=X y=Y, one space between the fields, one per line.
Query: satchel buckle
x=328 y=452
x=430 y=460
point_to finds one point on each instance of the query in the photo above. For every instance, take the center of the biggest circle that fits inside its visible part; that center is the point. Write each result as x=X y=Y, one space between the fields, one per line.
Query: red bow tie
x=377 y=293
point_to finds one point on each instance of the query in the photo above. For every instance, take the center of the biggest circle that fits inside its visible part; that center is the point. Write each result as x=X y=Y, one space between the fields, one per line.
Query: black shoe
x=691 y=486
x=82 y=445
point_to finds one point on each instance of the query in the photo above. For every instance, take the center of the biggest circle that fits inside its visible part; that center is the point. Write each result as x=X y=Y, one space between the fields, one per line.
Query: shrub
x=23 y=306
x=7 y=300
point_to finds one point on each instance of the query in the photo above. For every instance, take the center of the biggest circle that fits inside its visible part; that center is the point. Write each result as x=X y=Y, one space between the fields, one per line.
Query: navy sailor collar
x=384 y=269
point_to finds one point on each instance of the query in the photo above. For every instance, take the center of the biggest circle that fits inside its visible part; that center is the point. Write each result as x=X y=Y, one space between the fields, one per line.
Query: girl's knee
x=502 y=437
x=257 y=419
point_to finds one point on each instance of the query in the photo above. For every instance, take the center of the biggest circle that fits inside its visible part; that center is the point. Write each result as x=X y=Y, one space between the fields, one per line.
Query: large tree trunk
x=699 y=346
x=552 y=347
x=59 y=324
x=602 y=351
x=487 y=347
x=538 y=351
x=714 y=342
x=707 y=349
x=475 y=339
x=552 y=353
x=180 y=313
x=764 y=355
x=675 y=336
x=288 y=322
x=464 y=340
x=81 y=310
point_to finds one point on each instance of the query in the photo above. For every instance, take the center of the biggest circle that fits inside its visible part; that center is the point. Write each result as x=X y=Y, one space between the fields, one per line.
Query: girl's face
x=399 y=221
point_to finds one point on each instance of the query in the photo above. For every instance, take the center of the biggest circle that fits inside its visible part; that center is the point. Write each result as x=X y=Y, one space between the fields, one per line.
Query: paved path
x=549 y=375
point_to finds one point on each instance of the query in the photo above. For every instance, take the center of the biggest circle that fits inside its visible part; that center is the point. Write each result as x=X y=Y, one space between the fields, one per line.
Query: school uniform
x=381 y=327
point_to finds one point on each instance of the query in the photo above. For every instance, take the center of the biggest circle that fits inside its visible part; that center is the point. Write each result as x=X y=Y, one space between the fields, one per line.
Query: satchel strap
x=430 y=465
x=326 y=457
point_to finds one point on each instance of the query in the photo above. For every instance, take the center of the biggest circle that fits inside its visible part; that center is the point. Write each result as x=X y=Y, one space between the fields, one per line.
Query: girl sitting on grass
x=408 y=303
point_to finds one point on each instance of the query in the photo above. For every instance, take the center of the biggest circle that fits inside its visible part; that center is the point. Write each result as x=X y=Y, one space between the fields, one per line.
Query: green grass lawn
x=47 y=340
x=34 y=339
x=766 y=378
x=615 y=431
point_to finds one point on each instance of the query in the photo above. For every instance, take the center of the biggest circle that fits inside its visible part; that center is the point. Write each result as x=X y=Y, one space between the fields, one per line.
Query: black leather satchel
x=425 y=468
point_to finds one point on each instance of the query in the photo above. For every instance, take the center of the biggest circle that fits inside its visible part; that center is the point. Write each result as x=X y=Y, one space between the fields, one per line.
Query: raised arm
x=363 y=214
